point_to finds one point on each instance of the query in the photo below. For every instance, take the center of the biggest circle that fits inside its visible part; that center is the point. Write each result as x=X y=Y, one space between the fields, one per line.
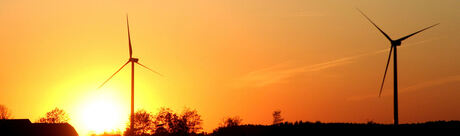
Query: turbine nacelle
x=396 y=43
x=134 y=59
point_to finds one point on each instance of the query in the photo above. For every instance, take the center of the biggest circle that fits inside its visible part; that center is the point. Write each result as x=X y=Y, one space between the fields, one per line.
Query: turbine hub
x=134 y=59
x=396 y=43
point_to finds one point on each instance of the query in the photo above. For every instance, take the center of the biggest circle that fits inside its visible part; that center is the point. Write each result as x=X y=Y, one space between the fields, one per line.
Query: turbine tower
x=393 y=48
x=132 y=61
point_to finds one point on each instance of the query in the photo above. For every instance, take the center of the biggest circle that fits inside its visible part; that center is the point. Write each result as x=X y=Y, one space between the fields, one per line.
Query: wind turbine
x=394 y=44
x=132 y=61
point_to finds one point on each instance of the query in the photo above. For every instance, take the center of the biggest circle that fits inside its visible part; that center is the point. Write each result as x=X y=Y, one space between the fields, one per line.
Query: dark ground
x=317 y=128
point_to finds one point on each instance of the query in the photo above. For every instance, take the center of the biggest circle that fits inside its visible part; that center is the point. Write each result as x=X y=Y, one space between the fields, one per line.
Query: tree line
x=165 y=122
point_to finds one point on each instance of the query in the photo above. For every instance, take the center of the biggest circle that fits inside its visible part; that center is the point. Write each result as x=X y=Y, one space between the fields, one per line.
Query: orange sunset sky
x=315 y=60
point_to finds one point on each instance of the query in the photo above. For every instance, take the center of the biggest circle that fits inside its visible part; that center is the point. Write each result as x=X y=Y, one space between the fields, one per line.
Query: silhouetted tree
x=143 y=124
x=231 y=121
x=161 y=131
x=4 y=112
x=277 y=117
x=192 y=120
x=168 y=122
x=55 y=116
x=165 y=120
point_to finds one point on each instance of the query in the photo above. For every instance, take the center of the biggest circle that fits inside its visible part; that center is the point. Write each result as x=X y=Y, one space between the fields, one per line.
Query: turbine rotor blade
x=388 y=37
x=150 y=69
x=386 y=68
x=113 y=75
x=129 y=38
x=405 y=37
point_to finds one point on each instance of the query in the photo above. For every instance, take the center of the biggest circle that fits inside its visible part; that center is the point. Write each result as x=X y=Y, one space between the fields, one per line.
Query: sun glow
x=102 y=114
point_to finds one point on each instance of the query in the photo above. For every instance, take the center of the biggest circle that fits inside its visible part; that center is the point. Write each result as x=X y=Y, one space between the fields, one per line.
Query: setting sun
x=102 y=114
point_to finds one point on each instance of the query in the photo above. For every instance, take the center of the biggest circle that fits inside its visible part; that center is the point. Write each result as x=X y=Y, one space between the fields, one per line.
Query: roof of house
x=23 y=127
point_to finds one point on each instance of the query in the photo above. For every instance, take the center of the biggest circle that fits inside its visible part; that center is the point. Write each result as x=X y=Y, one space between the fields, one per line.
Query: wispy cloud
x=296 y=13
x=303 y=13
x=412 y=88
x=280 y=72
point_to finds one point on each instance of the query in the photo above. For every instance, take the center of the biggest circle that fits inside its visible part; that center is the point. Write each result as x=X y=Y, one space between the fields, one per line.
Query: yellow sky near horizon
x=311 y=59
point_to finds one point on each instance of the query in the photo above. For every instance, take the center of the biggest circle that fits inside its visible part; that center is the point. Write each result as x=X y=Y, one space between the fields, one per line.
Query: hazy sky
x=313 y=60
